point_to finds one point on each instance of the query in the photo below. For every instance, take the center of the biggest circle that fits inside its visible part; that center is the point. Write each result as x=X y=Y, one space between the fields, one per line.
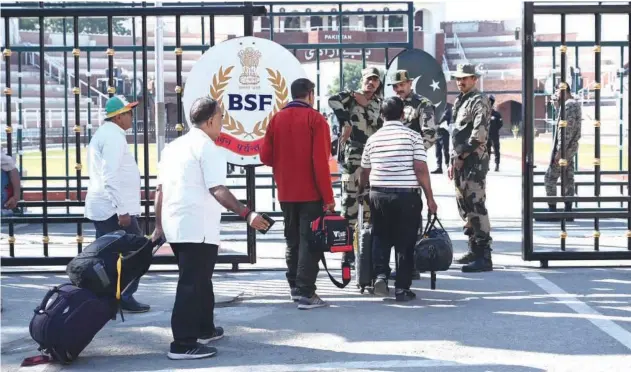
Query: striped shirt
x=390 y=154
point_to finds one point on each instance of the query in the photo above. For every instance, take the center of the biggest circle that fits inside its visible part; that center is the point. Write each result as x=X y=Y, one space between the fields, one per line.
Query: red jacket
x=297 y=146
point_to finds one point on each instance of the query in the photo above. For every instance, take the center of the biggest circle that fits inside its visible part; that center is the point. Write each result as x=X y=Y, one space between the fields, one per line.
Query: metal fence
x=86 y=88
x=597 y=214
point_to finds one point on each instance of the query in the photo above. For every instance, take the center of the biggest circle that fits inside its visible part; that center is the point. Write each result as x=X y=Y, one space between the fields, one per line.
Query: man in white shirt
x=188 y=201
x=113 y=199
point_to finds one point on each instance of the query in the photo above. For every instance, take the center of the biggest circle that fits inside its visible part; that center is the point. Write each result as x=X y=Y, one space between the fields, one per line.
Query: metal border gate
x=82 y=135
x=529 y=213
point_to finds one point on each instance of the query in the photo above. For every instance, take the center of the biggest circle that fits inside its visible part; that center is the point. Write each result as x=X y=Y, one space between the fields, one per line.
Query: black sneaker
x=402 y=295
x=198 y=351
x=308 y=303
x=295 y=294
x=438 y=171
x=217 y=335
x=133 y=306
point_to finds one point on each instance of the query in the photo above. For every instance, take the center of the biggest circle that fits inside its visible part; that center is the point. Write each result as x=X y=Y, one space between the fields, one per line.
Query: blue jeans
x=111 y=225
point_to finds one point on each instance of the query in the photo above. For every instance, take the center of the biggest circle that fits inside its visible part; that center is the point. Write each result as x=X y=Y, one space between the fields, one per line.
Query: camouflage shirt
x=365 y=121
x=471 y=113
x=574 y=117
x=416 y=108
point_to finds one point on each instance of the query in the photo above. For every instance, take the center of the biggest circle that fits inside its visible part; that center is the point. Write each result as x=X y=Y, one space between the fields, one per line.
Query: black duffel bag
x=434 y=250
x=109 y=264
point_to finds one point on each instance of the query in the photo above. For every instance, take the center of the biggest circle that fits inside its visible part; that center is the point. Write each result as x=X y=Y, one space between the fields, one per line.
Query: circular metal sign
x=250 y=77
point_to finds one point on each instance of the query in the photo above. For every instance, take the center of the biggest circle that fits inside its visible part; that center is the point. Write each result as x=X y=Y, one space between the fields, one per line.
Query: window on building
x=396 y=23
x=316 y=22
x=370 y=23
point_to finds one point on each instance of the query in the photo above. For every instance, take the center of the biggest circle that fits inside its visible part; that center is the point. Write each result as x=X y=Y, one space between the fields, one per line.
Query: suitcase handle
x=41 y=309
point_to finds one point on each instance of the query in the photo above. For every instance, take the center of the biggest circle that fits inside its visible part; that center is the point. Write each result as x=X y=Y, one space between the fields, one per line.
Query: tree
x=86 y=25
x=352 y=78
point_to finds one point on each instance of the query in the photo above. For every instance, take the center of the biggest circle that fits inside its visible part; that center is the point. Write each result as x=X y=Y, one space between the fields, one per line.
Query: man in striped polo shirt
x=394 y=164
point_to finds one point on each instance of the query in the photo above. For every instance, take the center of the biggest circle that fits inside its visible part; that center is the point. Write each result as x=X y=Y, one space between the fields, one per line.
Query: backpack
x=434 y=251
x=64 y=325
x=109 y=264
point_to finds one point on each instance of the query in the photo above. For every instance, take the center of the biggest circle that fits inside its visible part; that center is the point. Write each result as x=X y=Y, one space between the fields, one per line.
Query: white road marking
x=336 y=366
x=609 y=327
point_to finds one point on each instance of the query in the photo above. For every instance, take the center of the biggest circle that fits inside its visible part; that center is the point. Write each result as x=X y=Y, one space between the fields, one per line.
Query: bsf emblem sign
x=250 y=78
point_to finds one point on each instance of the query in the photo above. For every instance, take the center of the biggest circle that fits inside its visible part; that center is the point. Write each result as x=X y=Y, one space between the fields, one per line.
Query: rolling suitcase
x=363 y=253
x=65 y=323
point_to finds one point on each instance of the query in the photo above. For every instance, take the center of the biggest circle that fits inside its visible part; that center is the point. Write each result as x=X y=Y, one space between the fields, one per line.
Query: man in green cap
x=113 y=199
x=469 y=166
x=418 y=111
x=359 y=116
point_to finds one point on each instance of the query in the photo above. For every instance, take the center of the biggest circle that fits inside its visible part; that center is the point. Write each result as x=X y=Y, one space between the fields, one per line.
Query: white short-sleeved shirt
x=390 y=154
x=189 y=167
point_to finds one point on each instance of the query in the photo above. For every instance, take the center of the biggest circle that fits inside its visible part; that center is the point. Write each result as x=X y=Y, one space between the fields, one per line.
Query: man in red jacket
x=297 y=146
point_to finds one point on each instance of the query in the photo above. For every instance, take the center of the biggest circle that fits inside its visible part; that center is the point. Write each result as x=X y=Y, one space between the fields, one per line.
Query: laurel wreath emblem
x=235 y=127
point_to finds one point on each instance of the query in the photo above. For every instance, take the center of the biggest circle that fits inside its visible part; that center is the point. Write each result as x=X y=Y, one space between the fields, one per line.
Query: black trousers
x=442 y=147
x=302 y=263
x=396 y=217
x=194 y=306
x=494 y=142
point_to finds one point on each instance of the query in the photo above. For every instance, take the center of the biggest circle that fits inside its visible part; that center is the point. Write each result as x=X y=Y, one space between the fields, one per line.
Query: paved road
x=517 y=318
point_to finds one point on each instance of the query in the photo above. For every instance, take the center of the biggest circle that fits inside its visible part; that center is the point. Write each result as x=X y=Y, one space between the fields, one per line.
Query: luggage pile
x=70 y=315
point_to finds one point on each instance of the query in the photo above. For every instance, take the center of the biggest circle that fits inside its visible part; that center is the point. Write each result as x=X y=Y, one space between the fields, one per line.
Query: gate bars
x=82 y=54
x=9 y=12
x=528 y=45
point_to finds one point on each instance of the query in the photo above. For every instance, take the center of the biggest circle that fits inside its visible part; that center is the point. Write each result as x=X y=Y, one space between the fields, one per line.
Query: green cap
x=117 y=105
x=399 y=77
x=371 y=71
x=464 y=70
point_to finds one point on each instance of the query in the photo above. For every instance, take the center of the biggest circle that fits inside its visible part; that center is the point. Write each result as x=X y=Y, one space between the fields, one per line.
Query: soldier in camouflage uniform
x=419 y=116
x=470 y=164
x=573 y=117
x=358 y=115
x=416 y=108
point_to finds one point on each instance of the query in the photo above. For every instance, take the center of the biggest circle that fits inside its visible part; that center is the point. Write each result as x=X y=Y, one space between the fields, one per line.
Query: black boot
x=497 y=167
x=568 y=208
x=469 y=256
x=551 y=208
x=438 y=171
x=483 y=261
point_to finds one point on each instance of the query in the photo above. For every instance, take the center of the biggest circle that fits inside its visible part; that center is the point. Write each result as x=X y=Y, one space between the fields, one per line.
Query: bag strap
x=119 y=270
x=345 y=266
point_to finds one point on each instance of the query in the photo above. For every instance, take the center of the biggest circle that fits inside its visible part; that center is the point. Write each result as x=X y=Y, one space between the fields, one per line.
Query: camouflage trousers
x=554 y=173
x=350 y=206
x=470 y=183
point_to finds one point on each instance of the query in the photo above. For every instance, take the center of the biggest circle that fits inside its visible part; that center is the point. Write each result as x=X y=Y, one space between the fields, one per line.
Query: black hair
x=392 y=108
x=202 y=110
x=301 y=88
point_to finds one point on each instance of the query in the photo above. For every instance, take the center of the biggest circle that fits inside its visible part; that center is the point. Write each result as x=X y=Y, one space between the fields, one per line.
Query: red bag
x=331 y=233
